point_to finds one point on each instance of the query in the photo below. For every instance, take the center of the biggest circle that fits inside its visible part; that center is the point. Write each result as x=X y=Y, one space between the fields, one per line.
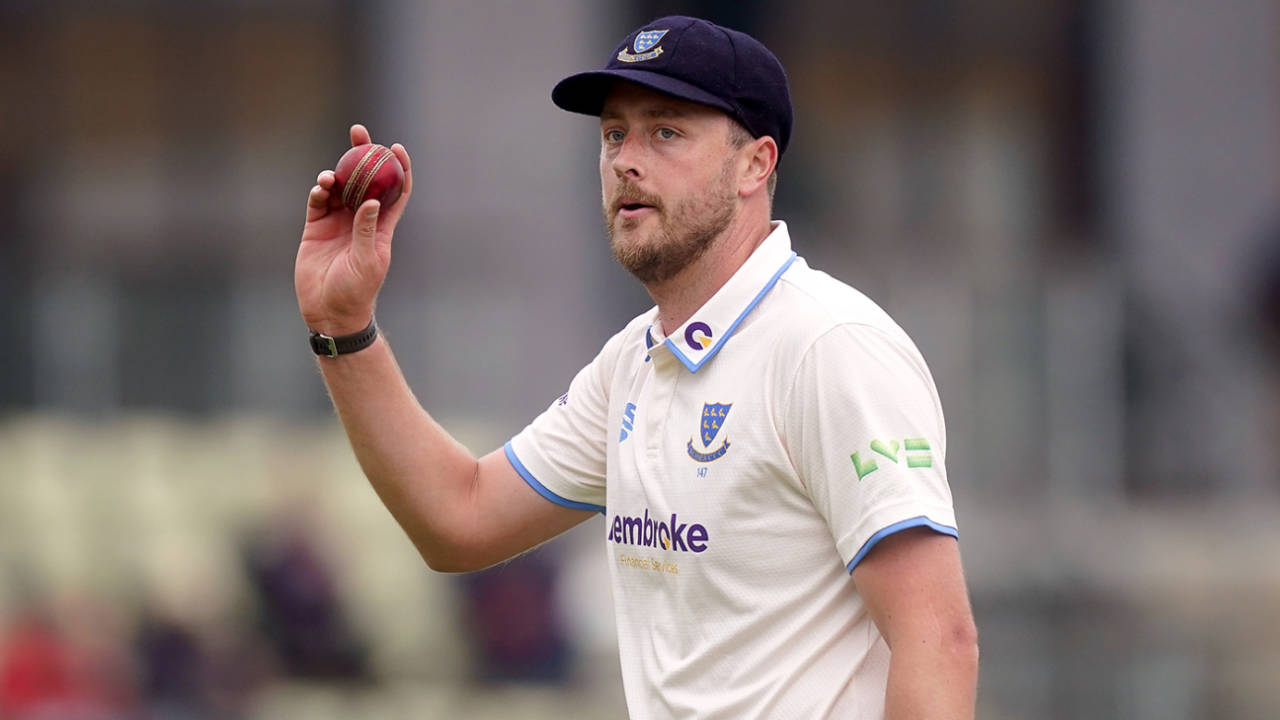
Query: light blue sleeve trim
x=692 y=366
x=920 y=521
x=542 y=489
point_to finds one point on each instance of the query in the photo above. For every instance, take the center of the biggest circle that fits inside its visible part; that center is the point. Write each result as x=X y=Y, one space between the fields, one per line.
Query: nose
x=628 y=160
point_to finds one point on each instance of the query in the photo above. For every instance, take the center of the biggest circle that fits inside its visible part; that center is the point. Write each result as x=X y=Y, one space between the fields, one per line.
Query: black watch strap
x=329 y=346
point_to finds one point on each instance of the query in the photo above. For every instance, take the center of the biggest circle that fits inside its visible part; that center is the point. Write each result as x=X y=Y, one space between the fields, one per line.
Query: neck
x=680 y=297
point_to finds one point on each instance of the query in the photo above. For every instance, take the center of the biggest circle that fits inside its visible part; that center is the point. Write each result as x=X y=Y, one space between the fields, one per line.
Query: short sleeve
x=865 y=431
x=561 y=454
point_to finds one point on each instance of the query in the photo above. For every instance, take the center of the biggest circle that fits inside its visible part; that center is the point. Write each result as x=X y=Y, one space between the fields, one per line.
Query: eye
x=613 y=135
x=666 y=133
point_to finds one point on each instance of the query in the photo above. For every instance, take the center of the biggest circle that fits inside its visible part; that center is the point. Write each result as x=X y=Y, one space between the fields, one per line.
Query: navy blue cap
x=697 y=61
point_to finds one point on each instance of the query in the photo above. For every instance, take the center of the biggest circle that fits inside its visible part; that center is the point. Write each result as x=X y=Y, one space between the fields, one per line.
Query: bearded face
x=655 y=238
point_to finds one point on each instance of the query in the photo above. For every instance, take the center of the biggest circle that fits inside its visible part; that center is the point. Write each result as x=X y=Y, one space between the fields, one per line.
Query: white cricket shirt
x=745 y=464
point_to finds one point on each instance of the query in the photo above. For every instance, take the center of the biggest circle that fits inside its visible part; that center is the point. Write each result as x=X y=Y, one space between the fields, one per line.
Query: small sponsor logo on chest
x=628 y=421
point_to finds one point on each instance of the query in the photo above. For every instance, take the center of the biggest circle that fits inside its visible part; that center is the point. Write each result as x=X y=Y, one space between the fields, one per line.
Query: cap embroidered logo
x=644 y=47
x=648 y=39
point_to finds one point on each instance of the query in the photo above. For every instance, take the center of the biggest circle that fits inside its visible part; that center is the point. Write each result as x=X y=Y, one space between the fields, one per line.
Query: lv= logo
x=915 y=452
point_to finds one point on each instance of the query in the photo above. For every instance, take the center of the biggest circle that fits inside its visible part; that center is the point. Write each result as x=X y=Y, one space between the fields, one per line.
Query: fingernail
x=371 y=212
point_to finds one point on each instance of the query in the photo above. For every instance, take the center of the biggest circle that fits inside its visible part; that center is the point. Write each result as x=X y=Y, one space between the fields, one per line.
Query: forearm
x=930 y=679
x=461 y=513
x=420 y=472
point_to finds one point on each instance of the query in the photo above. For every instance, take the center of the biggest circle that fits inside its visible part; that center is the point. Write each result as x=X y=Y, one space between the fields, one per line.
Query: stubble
x=685 y=232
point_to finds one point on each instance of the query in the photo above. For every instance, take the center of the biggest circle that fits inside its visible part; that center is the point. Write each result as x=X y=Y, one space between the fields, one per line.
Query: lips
x=630 y=210
x=631 y=206
x=631 y=202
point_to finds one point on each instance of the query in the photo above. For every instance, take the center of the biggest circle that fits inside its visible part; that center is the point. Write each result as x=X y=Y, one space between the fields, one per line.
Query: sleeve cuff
x=542 y=489
x=920 y=521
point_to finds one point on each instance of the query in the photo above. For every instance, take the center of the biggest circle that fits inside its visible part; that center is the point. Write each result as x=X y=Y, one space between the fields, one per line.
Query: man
x=759 y=436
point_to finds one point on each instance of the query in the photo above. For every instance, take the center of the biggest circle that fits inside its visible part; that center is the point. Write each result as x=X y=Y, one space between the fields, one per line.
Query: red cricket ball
x=368 y=172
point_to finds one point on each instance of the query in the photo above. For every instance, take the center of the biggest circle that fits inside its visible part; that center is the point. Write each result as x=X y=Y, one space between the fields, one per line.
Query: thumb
x=365 y=229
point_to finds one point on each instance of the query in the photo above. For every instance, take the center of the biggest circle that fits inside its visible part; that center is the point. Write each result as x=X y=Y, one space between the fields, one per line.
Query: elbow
x=452 y=557
x=449 y=543
x=961 y=643
x=447 y=565
x=440 y=562
x=451 y=563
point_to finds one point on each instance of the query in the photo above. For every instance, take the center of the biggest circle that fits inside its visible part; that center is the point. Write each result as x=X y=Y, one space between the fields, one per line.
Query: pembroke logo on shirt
x=649 y=531
x=713 y=417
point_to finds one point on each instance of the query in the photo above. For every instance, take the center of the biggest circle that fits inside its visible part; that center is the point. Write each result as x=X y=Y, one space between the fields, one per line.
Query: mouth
x=627 y=208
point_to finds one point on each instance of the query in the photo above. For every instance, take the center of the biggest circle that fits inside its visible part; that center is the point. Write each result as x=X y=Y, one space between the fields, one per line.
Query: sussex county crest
x=645 y=45
x=713 y=417
x=647 y=39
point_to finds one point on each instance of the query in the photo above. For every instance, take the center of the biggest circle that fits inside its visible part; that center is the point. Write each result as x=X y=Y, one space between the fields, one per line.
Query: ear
x=760 y=157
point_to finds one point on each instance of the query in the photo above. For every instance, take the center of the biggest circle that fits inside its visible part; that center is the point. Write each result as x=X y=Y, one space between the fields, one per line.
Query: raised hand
x=344 y=255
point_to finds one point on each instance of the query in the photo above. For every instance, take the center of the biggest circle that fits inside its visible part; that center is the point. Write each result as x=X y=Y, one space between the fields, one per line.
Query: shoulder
x=828 y=339
x=808 y=305
x=840 y=356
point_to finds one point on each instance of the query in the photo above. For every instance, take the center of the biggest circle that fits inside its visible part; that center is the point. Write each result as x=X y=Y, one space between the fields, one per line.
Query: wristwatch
x=329 y=346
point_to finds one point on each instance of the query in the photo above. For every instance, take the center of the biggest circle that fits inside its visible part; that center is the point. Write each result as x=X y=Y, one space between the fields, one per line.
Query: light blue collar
x=702 y=336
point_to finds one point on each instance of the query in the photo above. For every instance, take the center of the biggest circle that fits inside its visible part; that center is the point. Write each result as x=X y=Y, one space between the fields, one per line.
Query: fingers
x=403 y=156
x=321 y=199
x=359 y=135
x=364 y=231
x=317 y=203
x=392 y=217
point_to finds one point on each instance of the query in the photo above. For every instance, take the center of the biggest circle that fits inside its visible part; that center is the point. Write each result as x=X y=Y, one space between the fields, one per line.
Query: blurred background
x=1072 y=206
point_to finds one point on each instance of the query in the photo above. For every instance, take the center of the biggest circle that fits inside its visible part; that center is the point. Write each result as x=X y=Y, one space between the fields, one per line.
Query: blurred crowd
x=86 y=658
x=244 y=569
x=89 y=660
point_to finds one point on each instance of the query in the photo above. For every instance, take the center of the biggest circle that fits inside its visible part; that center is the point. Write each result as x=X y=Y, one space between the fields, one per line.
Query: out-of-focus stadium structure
x=1071 y=206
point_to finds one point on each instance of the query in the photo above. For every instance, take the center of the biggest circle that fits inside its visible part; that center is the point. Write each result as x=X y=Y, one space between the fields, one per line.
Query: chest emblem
x=713 y=417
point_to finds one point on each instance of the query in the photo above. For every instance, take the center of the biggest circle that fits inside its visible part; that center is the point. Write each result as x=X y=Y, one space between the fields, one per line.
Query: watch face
x=323 y=345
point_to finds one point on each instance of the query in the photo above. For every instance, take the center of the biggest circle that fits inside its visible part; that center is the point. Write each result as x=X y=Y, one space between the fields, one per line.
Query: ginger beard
x=682 y=236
